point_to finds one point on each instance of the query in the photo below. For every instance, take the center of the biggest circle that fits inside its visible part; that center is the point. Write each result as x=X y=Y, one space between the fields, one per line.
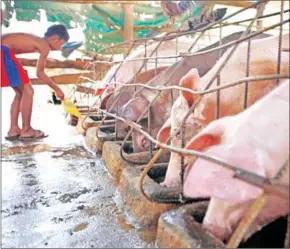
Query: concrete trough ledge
x=138 y=211
x=85 y=123
x=71 y=120
x=181 y=228
x=95 y=143
x=115 y=164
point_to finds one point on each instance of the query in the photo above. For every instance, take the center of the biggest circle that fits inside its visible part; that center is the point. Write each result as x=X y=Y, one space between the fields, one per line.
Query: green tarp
x=102 y=24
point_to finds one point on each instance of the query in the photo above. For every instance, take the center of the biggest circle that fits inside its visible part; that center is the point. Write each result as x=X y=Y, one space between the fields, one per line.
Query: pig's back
x=264 y=57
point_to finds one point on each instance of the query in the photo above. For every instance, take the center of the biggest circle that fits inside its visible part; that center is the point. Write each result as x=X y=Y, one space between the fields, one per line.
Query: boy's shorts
x=12 y=72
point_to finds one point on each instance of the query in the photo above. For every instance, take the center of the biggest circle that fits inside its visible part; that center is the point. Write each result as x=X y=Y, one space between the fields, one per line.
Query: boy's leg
x=26 y=113
x=14 y=112
x=26 y=109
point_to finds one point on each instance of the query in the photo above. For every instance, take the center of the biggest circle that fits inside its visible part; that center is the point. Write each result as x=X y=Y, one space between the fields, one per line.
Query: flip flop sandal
x=32 y=138
x=12 y=138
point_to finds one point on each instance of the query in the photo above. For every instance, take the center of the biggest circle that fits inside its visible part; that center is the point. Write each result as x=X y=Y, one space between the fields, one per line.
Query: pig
x=129 y=69
x=264 y=54
x=161 y=108
x=256 y=140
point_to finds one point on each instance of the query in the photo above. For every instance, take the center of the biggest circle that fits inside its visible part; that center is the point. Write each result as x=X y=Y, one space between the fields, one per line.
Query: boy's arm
x=43 y=76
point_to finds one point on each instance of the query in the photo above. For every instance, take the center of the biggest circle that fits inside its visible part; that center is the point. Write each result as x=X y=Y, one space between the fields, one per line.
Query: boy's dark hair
x=57 y=29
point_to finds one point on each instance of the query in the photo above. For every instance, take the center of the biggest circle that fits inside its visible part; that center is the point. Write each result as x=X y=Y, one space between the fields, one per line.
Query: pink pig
x=256 y=140
x=130 y=68
x=264 y=55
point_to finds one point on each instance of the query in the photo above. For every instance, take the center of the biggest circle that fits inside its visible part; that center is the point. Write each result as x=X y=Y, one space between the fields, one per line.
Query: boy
x=14 y=75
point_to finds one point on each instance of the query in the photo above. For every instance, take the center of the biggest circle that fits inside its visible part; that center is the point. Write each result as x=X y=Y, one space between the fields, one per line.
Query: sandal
x=34 y=137
x=12 y=138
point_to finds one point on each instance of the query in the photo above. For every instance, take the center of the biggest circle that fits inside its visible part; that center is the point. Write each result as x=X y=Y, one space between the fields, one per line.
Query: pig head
x=125 y=93
x=243 y=141
x=263 y=62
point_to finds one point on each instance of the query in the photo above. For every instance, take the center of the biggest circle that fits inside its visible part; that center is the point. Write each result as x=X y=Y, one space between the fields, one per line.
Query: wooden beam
x=233 y=3
x=67 y=79
x=105 y=2
x=53 y=63
x=128 y=22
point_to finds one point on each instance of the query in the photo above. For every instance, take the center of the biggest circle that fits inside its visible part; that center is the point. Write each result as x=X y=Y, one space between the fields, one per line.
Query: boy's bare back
x=25 y=43
x=18 y=43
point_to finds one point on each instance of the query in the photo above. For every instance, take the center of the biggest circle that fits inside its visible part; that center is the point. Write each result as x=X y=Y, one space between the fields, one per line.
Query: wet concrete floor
x=58 y=198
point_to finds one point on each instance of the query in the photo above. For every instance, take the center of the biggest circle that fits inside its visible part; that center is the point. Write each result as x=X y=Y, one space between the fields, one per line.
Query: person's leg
x=26 y=108
x=14 y=113
x=26 y=112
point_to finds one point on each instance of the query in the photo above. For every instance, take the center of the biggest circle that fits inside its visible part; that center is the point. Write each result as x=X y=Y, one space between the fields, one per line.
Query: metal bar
x=280 y=40
x=150 y=132
x=251 y=214
x=219 y=79
x=247 y=74
x=146 y=54
x=181 y=197
x=224 y=86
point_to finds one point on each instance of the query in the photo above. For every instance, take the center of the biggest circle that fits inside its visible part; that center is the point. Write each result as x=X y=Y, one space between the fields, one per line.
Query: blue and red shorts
x=12 y=72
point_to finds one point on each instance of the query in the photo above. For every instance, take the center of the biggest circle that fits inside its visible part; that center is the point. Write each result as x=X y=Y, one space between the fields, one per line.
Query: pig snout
x=222 y=224
x=122 y=129
x=140 y=142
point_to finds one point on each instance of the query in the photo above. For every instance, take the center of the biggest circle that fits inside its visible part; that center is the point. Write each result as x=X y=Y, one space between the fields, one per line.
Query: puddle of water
x=58 y=198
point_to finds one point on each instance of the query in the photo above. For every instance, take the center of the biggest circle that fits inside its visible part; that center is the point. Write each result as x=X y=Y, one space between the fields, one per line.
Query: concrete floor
x=62 y=198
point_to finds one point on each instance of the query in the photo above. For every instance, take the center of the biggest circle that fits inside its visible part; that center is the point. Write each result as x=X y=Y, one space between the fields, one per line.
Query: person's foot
x=14 y=132
x=32 y=135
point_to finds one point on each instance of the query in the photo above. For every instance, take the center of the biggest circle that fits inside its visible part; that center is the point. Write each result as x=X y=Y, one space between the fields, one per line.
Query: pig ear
x=190 y=81
x=201 y=142
x=210 y=136
x=164 y=132
x=134 y=108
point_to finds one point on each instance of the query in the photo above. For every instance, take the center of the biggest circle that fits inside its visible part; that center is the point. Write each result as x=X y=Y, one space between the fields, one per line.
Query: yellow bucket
x=71 y=108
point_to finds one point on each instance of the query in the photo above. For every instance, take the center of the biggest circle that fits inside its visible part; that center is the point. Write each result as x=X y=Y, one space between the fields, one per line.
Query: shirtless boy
x=14 y=75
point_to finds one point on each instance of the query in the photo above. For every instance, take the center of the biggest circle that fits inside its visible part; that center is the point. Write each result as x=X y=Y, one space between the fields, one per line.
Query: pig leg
x=247 y=221
x=171 y=178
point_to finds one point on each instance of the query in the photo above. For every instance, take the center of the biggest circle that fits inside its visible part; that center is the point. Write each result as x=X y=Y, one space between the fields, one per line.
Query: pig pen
x=95 y=93
x=143 y=205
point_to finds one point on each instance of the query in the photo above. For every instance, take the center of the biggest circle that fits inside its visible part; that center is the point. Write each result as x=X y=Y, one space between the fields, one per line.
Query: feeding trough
x=137 y=210
x=116 y=164
x=181 y=228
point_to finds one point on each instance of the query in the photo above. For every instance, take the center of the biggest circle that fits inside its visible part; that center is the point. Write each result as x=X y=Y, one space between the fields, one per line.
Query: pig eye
x=178 y=133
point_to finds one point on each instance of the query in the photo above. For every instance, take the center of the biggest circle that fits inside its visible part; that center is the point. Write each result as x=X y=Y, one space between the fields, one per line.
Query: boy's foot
x=34 y=135
x=13 y=134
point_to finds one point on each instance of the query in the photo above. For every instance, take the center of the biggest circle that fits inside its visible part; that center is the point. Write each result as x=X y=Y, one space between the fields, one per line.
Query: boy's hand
x=59 y=93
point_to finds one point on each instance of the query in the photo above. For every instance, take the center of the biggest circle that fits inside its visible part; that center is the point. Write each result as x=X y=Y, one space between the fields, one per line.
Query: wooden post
x=128 y=31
